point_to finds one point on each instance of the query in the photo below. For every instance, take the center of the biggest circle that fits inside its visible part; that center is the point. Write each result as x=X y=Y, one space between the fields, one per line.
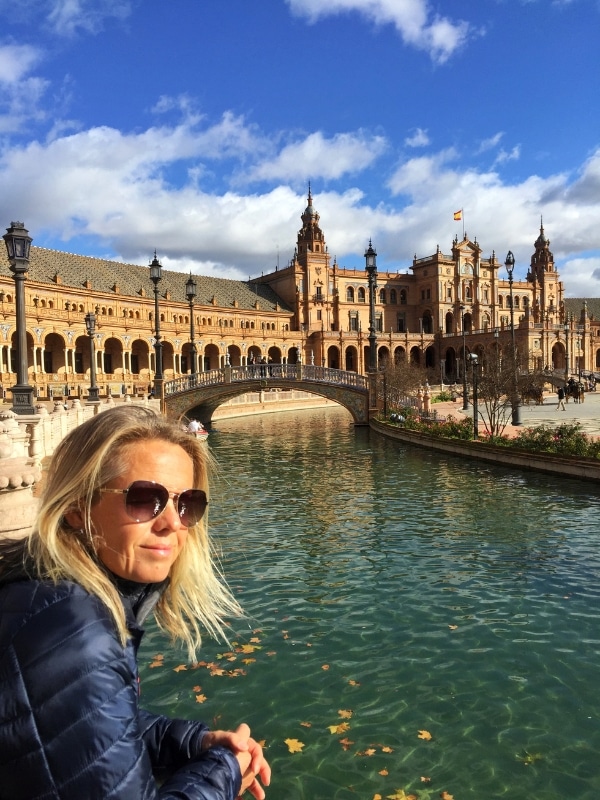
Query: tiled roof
x=131 y=279
x=574 y=305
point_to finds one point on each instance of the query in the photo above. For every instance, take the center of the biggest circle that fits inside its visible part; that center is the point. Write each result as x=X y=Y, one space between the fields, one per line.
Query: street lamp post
x=474 y=367
x=371 y=268
x=18 y=243
x=566 y=328
x=190 y=293
x=156 y=277
x=90 y=326
x=464 y=360
x=516 y=412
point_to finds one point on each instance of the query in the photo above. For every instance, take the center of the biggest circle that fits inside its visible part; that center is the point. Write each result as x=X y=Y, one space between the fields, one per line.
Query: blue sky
x=194 y=126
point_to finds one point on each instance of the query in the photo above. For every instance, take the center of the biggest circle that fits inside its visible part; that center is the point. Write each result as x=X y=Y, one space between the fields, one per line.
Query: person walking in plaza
x=561 y=399
x=120 y=534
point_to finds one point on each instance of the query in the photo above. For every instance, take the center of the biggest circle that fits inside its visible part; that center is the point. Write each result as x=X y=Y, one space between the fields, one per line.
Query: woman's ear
x=74 y=518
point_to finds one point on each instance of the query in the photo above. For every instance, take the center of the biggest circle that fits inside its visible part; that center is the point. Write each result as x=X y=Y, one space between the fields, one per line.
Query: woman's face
x=143 y=551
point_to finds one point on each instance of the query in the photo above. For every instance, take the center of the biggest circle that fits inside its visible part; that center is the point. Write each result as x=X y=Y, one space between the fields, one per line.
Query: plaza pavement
x=586 y=413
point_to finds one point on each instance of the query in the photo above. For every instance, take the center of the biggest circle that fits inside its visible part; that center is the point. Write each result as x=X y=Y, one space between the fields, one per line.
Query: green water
x=411 y=592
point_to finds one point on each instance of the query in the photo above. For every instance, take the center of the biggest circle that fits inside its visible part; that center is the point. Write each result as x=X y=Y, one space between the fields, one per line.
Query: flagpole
x=462 y=216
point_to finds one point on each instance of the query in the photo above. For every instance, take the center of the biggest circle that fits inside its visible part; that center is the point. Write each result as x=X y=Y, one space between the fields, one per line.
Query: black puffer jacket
x=70 y=723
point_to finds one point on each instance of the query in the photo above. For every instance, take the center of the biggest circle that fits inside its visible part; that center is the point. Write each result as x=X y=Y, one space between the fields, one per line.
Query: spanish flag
x=458 y=215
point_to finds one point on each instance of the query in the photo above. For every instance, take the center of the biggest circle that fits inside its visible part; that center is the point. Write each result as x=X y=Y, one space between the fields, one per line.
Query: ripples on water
x=418 y=592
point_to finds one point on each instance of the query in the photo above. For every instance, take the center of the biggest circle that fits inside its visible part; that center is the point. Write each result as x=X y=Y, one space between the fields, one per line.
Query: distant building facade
x=313 y=311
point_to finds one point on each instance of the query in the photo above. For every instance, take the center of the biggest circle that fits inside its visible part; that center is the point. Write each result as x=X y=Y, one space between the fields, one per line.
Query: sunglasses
x=145 y=500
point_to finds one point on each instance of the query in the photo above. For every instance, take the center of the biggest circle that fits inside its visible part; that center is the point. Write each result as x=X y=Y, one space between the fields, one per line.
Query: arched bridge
x=205 y=391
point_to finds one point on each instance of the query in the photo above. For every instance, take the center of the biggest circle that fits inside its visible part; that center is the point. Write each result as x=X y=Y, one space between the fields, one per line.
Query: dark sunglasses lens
x=145 y=500
x=191 y=506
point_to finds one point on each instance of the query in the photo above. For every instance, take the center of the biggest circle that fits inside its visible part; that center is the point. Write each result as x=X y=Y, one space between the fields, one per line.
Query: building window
x=403 y=297
x=401 y=323
x=361 y=294
x=319 y=315
x=393 y=296
x=382 y=296
x=350 y=294
x=379 y=322
x=353 y=320
x=319 y=292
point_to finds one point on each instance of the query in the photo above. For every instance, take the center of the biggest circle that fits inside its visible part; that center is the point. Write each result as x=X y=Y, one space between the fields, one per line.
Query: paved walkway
x=586 y=413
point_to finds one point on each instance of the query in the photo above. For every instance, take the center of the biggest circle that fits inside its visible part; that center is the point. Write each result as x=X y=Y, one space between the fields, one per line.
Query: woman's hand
x=249 y=753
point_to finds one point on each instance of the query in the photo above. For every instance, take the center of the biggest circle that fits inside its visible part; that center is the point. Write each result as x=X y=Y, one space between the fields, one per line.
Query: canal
x=415 y=624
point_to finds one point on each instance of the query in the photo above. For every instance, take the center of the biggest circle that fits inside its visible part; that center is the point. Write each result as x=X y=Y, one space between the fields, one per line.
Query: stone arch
x=351 y=359
x=235 y=355
x=274 y=355
x=333 y=357
x=293 y=355
x=399 y=355
x=112 y=360
x=415 y=356
x=383 y=357
x=140 y=357
x=212 y=357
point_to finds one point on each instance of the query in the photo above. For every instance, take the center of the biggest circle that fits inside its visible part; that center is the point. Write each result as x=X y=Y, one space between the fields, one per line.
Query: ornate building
x=313 y=310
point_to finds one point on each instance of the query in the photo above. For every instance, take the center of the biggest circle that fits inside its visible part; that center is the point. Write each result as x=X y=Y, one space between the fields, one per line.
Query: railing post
x=227 y=374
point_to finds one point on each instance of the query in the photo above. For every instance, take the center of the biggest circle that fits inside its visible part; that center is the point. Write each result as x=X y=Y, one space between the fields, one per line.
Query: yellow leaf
x=306 y=724
x=345 y=713
x=248 y=660
x=446 y=796
x=425 y=735
x=353 y=683
x=453 y=627
x=383 y=772
x=377 y=797
x=201 y=698
x=247 y=648
x=341 y=728
x=294 y=746
x=387 y=750
x=180 y=668
x=255 y=639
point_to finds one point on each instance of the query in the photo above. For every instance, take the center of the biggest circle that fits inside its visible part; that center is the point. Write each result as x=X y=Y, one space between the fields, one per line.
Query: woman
x=121 y=532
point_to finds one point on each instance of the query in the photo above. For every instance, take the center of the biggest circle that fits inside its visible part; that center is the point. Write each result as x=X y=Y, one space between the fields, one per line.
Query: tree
x=399 y=382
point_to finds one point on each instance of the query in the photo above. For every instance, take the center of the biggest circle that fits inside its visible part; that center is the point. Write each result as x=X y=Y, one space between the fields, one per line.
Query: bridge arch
x=205 y=392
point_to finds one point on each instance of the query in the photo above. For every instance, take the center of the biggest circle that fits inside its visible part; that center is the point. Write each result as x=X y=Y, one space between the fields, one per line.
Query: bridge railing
x=264 y=372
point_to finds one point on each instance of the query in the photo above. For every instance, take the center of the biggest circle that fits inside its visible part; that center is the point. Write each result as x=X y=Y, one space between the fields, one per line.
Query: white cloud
x=319 y=157
x=419 y=138
x=512 y=155
x=413 y=20
x=491 y=143
x=67 y=17
x=20 y=93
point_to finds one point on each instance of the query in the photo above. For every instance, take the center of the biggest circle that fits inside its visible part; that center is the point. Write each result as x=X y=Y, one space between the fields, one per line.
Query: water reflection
x=440 y=595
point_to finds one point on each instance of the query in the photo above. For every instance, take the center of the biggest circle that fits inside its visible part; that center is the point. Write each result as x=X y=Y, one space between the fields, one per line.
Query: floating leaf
x=370 y=751
x=325 y=666
x=346 y=743
x=294 y=746
x=180 y=668
x=425 y=779
x=425 y=735
x=453 y=627
x=341 y=728
x=400 y=794
x=345 y=713
x=383 y=772
x=387 y=750
x=446 y=796
x=201 y=698
x=306 y=724
x=255 y=639
x=353 y=683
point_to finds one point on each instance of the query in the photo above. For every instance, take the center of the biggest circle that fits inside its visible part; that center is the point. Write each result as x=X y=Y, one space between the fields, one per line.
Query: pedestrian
x=561 y=399
x=120 y=534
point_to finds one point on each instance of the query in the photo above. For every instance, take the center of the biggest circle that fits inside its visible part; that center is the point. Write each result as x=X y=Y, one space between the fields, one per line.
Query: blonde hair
x=88 y=458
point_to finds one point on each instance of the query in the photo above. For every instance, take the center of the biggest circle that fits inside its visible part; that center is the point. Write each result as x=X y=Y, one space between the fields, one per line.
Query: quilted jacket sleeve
x=69 y=719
